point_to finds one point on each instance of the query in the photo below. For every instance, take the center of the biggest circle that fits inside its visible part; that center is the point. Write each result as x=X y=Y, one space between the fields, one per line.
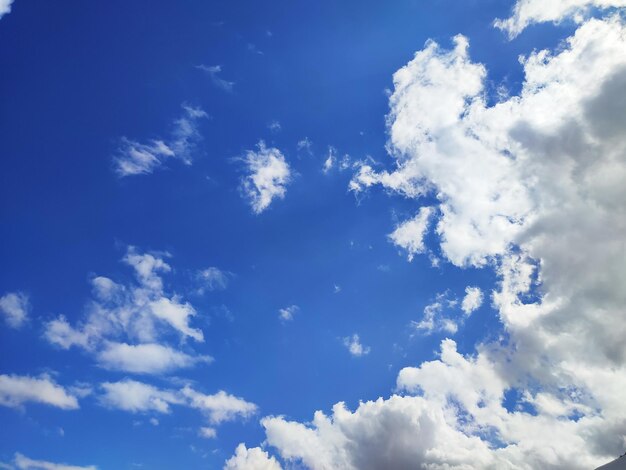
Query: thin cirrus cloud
x=124 y=325
x=15 y=306
x=137 y=158
x=509 y=181
x=25 y=463
x=267 y=177
x=213 y=72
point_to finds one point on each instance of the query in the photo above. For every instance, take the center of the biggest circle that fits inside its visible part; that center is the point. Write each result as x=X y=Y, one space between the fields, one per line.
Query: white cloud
x=274 y=126
x=219 y=407
x=354 y=346
x=528 y=12
x=331 y=159
x=267 y=179
x=213 y=72
x=15 y=390
x=213 y=278
x=24 y=463
x=137 y=397
x=305 y=145
x=146 y=358
x=251 y=459
x=434 y=318
x=287 y=313
x=409 y=235
x=135 y=158
x=5 y=7
x=207 y=433
x=532 y=187
x=473 y=299
x=124 y=324
x=15 y=306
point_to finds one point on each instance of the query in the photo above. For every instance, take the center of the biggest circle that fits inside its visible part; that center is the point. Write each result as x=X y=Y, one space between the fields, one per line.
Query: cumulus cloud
x=136 y=158
x=147 y=358
x=124 y=325
x=533 y=188
x=409 y=235
x=213 y=71
x=267 y=178
x=138 y=397
x=528 y=12
x=15 y=306
x=354 y=346
x=15 y=390
x=287 y=313
x=24 y=463
x=251 y=459
x=5 y=7
x=473 y=299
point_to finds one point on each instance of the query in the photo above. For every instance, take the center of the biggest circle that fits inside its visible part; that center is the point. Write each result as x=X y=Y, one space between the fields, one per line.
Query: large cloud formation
x=532 y=187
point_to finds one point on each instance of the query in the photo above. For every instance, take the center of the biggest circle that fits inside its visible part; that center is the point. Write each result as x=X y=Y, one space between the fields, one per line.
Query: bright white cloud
x=473 y=299
x=409 y=235
x=15 y=306
x=267 y=178
x=287 y=313
x=124 y=324
x=24 y=463
x=213 y=71
x=16 y=390
x=331 y=159
x=135 y=158
x=138 y=397
x=533 y=187
x=528 y=12
x=5 y=7
x=251 y=459
x=354 y=346
x=219 y=407
x=147 y=358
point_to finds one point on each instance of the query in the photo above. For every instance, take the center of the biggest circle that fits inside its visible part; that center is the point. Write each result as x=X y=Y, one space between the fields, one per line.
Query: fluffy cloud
x=213 y=278
x=138 y=397
x=532 y=187
x=434 y=318
x=24 y=463
x=145 y=358
x=135 y=158
x=5 y=7
x=15 y=306
x=267 y=178
x=527 y=12
x=410 y=234
x=15 y=390
x=473 y=299
x=124 y=324
x=251 y=459
x=287 y=313
x=354 y=346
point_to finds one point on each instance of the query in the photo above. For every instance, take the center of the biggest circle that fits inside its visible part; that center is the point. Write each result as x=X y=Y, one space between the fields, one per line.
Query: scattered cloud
x=207 y=433
x=331 y=159
x=15 y=307
x=287 y=313
x=124 y=325
x=135 y=158
x=267 y=178
x=354 y=346
x=305 y=145
x=473 y=299
x=409 y=235
x=16 y=390
x=213 y=71
x=24 y=463
x=213 y=278
x=274 y=126
x=5 y=7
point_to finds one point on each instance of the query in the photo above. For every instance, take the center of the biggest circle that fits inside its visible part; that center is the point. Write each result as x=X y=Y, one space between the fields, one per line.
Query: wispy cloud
x=287 y=313
x=25 y=463
x=15 y=307
x=15 y=390
x=213 y=72
x=354 y=346
x=136 y=158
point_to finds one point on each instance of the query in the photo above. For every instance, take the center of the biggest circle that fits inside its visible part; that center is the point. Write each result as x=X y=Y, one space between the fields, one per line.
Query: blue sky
x=220 y=217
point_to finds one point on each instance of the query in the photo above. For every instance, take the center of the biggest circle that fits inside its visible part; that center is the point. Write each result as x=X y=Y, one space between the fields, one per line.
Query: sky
x=281 y=234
